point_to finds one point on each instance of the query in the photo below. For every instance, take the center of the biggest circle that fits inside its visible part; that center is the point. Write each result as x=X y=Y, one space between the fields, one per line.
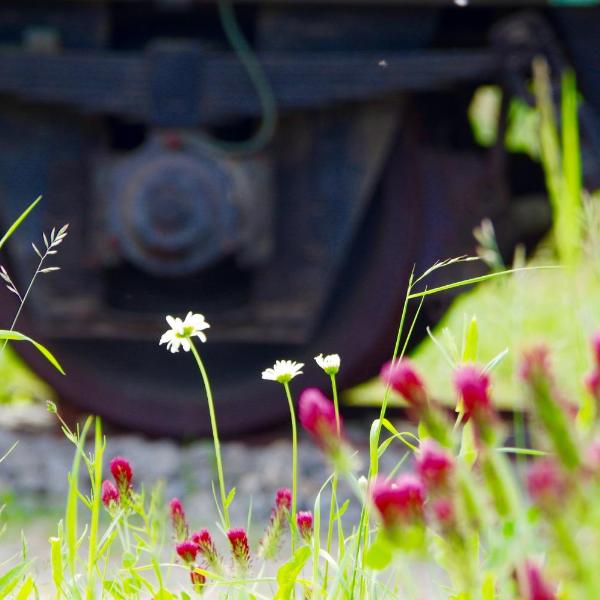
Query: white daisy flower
x=330 y=363
x=182 y=330
x=283 y=371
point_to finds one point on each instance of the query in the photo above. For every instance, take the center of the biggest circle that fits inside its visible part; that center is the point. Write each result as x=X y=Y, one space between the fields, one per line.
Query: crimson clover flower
x=123 y=474
x=187 y=551
x=304 y=521
x=178 y=518
x=403 y=378
x=110 y=494
x=434 y=465
x=240 y=548
x=398 y=502
x=317 y=415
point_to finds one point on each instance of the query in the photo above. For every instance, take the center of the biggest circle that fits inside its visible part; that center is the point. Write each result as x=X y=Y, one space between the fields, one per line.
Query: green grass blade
x=15 y=336
x=18 y=222
x=478 y=279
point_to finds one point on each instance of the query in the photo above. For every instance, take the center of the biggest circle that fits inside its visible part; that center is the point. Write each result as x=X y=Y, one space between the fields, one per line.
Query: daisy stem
x=288 y=394
x=334 y=482
x=215 y=433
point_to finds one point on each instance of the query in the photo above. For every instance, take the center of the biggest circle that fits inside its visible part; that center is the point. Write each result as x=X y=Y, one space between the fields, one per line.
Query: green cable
x=257 y=75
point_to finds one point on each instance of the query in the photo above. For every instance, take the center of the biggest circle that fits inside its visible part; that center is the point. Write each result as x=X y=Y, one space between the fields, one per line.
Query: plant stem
x=334 y=481
x=288 y=394
x=215 y=433
x=23 y=299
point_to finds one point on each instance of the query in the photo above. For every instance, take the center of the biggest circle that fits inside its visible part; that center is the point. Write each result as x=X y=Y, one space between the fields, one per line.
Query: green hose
x=263 y=135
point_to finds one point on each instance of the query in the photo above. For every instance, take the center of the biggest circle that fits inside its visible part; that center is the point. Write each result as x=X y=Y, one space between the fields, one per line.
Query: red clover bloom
x=187 y=550
x=304 y=521
x=269 y=544
x=434 y=465
x=398 y=501
x=110 y=494
x=283 y=499
x=240 y=548
x=207 y=548
x=404 y=379
x=472 y=385
x=443 y=511
x=178 y=519
x=122 y=472
x=317 y=416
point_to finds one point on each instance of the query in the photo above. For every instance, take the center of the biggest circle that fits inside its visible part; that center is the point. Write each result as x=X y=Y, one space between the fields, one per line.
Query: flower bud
x=240 y=548
x=207 y=548
x=317 y=416
x=110 y=494
x=434 y=465
x=304 y=521
x=443 y=511
x=122 y=472
x=198 y=580
x=330 y=363
x=404 y=379
x=398 y=502
x=535 y=587
x=472 y=385
x=269 y=544
x=546 y=483
x=178 y=519
x=187 y=551
x=283 y=499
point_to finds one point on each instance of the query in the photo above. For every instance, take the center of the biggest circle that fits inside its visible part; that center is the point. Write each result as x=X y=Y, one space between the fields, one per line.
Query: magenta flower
x=545 y=482
x=283 y=499
x=404 y=379
x=240 y=548
x=534 y=584
x=472 y=385
x=204 y=540
x=122 y=472
x=304 y=521
x=443 y=511
x=535 y=364
x=110 y=494
x=207 y=548
x=398 y=501
x=317 y=416
x=187 y=551
x=178 y=518
x=434 y=465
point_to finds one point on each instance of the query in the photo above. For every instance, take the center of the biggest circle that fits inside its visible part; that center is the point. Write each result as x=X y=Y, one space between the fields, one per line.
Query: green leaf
x=26 y=589
x=18 y=222
x=56 y=562
x=15 y=336
x=470 y=342
x=288 y=573
x=343 y=508
x=230 y=497
x=11 y=578
x=380 y=553
x=479 y=279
